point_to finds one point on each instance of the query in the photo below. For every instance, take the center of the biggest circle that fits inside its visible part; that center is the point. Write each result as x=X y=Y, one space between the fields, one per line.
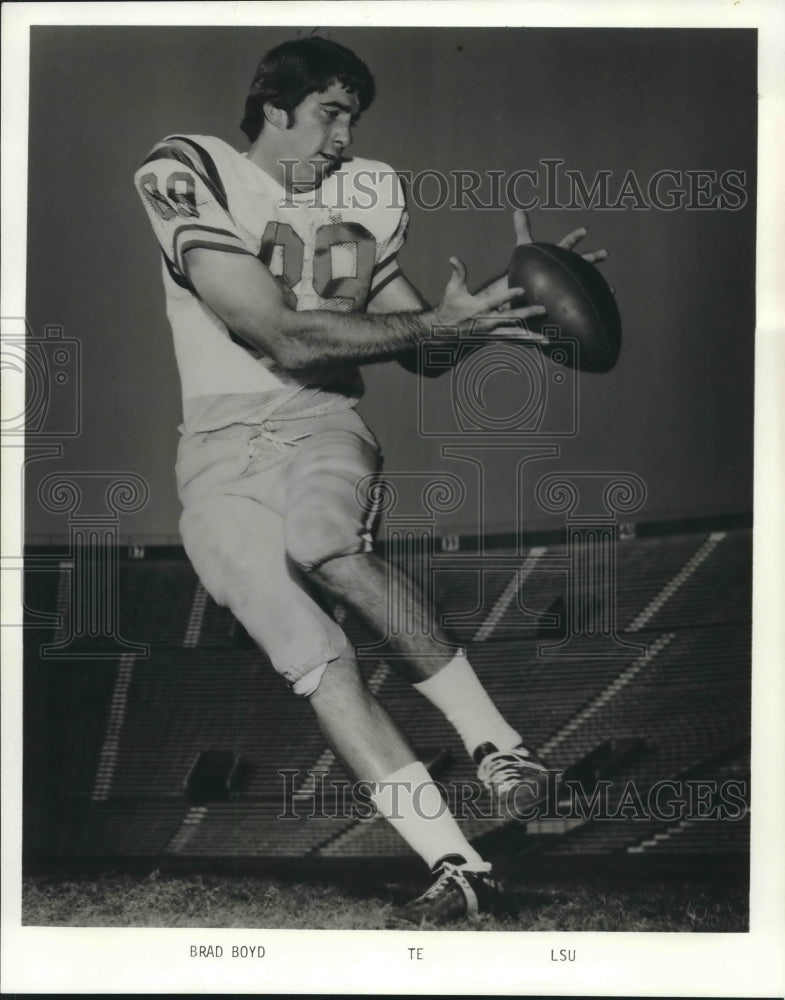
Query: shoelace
x=451 y=873
x=505 y=764
x=446 y=871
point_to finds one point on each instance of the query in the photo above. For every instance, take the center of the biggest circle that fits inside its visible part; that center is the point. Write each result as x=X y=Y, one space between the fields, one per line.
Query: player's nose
x=342 y=136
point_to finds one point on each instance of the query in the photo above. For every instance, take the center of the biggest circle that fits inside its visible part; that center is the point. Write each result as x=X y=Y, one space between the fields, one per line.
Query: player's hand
x=483 y=311
x=571 y=240
x=523 y=235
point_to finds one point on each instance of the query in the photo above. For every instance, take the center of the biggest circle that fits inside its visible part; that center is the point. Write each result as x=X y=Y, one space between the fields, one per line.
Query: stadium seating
x=109 y=742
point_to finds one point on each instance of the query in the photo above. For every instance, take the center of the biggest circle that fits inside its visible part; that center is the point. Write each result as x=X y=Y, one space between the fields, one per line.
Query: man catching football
x=281 y=278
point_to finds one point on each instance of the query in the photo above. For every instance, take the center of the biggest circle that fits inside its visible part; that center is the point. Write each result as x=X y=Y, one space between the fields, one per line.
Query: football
x=576 y=298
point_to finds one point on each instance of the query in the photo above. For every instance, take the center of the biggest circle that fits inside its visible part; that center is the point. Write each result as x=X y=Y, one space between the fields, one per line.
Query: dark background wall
x=677 y=410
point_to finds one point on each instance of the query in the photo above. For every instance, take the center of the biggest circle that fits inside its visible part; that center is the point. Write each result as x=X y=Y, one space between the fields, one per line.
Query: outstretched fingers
x=595 y=256
x=458 y=276
x=573 y=238
x=512 y=320
x=490 y=300
x=520 y=220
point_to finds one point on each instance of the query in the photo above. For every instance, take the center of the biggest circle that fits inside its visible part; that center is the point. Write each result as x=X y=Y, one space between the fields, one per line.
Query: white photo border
x=154 y=960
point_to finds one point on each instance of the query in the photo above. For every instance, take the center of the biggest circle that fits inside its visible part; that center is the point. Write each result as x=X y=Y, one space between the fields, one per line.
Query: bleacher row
x=208 y=688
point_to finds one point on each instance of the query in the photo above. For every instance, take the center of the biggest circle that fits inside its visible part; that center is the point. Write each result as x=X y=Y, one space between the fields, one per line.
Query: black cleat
x=515 y=774
x=458 y=891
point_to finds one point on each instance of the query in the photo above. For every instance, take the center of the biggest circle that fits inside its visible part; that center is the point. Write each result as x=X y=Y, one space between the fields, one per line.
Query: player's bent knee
x=318 y=531
x=307 y=685
x=338 y=680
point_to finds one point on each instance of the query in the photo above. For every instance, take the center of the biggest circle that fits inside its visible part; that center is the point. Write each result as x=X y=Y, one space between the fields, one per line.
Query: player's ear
x=277 y=117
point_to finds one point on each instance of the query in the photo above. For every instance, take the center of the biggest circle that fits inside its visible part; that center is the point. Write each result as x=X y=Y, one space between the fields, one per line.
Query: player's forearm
x=261 y=309
x=317 y=339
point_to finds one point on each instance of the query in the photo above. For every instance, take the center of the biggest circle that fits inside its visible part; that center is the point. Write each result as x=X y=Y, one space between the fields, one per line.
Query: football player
x=281 y=276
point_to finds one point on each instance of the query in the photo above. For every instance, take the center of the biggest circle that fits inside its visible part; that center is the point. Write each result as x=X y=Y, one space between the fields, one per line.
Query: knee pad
x=325 y=516
x=307 y=685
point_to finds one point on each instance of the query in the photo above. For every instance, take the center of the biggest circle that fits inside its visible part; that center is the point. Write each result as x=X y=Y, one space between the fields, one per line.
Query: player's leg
x=392 y=606
x=442 y=675
x=328 y=536
x=373 y=749
x=236 y=546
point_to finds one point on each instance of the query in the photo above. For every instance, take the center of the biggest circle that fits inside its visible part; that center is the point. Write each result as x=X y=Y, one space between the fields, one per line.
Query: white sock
x=410 y=801
x=458 y=694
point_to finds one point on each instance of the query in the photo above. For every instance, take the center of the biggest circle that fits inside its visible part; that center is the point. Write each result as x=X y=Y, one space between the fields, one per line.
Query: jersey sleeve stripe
x=380 y=274
x=171 y=151
x=383 y=263
x=206 y=244
x=209 y=167
x=177 y=277
x=197 y=235
x=384 y=283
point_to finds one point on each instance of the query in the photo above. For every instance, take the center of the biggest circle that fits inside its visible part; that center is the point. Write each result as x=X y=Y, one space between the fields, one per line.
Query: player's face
x=319 y=137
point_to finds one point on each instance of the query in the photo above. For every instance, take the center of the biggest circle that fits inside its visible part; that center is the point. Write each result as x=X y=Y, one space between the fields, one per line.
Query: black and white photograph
x=391 y=455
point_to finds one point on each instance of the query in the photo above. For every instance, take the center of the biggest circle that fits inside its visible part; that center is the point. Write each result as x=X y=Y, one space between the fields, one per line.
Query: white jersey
x=333 y=248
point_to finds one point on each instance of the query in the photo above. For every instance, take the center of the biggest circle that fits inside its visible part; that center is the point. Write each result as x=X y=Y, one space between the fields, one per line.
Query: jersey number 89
x=354 y=287
x=180 y=200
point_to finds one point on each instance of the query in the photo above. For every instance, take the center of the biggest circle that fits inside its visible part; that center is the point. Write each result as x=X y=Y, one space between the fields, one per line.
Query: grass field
x=589 y=903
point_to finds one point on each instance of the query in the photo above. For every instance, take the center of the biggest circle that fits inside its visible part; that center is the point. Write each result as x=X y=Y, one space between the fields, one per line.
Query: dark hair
x=292 y=71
